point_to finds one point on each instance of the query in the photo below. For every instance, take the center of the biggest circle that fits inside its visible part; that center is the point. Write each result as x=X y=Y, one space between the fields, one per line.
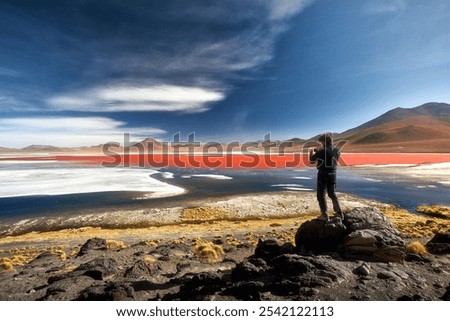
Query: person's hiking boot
x=339 y=215
x=323 y=217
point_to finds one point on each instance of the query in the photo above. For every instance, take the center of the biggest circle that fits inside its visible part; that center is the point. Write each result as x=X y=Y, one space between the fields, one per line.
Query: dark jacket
x=326 y=159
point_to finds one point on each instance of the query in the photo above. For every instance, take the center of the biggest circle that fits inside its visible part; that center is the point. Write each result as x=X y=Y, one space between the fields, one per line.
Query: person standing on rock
x=326 y=159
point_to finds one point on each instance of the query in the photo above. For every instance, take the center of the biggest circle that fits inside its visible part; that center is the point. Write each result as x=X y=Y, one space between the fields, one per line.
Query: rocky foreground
x=362 y=257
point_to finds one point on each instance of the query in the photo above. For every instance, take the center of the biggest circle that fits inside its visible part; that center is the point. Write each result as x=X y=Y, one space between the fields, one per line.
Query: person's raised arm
x=312 y=155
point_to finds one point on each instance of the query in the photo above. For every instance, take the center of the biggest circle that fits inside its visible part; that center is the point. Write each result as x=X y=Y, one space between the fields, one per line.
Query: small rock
x=250 y=291
x=113 y=292
x=248 y=270
x=218 y=241
x=99 y=268
x=141 y=270
x=202 y=285
x=385 y=275
x=287 y=248
x=43 y=261
x=285 y=288
x=92 y=244
x=310 y=291
x=412 y=257
x=438 y=269
x=439 y=244
x=290 y=265
x=446 y=296
x=267 y=250
x=363 y=269
x=415 y=297
x=67 y=288
x=400 y=273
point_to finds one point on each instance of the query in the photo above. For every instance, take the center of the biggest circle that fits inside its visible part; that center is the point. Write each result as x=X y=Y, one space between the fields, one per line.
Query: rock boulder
x=320 y=236
x=365 y=233
x=92 y=244
x=440 y=243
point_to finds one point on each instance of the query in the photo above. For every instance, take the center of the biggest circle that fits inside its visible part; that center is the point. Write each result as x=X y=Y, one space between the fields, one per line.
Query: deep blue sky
x=79 y=72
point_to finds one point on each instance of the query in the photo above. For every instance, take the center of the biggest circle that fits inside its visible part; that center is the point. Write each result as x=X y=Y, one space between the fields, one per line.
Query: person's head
x=326 y=140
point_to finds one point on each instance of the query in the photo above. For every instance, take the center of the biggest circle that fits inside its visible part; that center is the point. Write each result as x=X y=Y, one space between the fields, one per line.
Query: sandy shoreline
x=262 y=213
x=196 y=217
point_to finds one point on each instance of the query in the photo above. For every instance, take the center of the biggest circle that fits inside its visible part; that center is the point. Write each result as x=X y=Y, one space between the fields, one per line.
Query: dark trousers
x=326 y=182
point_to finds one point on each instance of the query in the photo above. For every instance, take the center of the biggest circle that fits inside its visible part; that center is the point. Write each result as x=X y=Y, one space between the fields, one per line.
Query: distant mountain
x=434 y=110
x=425 y=128
x=38 y=148
x=296 y=140
x=148 y=144
x=7 y=150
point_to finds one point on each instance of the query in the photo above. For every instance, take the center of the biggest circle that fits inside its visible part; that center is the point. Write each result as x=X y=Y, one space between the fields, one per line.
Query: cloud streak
x=385 y=6
x=167 y=98
x=169 y=58
x=285 y=9
x=194 y=59
x=69 y=131
x=8 y=72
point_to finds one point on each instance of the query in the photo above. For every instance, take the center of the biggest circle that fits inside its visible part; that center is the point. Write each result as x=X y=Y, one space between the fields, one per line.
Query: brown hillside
x=413 y=134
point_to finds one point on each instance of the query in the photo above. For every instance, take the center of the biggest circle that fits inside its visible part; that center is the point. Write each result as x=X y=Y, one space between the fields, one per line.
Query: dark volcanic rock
x=446 y=296
x=415 y=297
x=92 y=244
x=286 y=275
x=320 y=236
x=267 y=250
x=373 y=245
x=111 y=292
x=364 y=234
x=43 y=260
x=167 y=251
x=141 y=270
x=387 y=275
x=201 y=285
x=290 y=265
x=99 y=269
x=412 y=257
x=285 y=288
x=363 y=269
x=372 y=237
x=363 y=218
x=440 y=243
x=249 y=269
x=273 y=272
x=294 y=270
x=248 y=291
x=67 y=288
x=42 y=264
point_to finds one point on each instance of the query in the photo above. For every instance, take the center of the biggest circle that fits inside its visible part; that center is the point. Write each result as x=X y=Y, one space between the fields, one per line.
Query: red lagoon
x=238 y=161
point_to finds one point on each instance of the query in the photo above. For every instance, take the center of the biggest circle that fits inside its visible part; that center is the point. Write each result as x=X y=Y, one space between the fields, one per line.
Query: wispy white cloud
x=9 y=72
x=69 y=124
x=10 y=103
x=68 y=131
x=133 y=98
x=384 y=6
x=284 y=9
x=257 y=24
x=193 y=72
